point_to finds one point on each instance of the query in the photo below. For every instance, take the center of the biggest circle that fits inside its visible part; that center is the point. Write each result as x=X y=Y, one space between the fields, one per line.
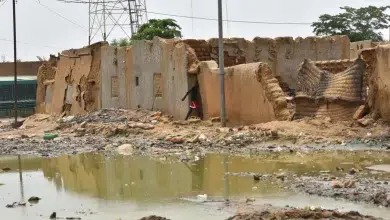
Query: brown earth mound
x=301 y=214
x=153 y=217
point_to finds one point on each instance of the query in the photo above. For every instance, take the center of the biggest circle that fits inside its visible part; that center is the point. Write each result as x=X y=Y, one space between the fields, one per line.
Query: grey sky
x=41 y=32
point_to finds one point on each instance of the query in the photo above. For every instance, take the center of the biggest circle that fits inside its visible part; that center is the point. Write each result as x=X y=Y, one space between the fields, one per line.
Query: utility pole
x=221 y=66
x=104 y=21
x=15 y=67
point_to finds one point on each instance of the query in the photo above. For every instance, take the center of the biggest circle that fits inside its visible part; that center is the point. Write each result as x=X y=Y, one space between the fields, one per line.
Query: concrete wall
x=246 y=97
x=29 y=68
x=283 y=54
x=172 y=61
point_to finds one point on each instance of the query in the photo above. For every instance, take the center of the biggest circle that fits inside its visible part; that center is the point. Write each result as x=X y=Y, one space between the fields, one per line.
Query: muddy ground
x=151 y=133
x=271 y=213
x=352 y=188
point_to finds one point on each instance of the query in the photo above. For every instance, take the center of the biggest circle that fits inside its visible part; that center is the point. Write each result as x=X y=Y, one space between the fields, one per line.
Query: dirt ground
x=154 y=134
x=289 y=213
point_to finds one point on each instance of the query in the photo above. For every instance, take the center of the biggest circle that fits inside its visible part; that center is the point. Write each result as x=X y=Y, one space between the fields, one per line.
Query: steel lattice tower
x=107 y=15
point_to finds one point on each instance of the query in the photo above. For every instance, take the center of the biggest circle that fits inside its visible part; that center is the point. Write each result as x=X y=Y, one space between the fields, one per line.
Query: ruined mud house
x=156 y=74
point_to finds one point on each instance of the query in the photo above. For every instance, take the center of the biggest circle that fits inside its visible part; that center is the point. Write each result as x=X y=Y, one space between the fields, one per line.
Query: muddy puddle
x=95 y=186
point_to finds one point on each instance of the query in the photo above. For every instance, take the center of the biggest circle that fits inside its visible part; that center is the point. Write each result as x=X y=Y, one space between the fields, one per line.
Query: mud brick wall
x=74 y=82
x=338 y=66
x=252 y=93
x=201 y=47
x=378 y=69
x=337 y=110
x=283 y=54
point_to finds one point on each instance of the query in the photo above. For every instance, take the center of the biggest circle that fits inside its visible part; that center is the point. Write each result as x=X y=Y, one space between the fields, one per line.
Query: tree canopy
x=358 y=24
x=164 y=28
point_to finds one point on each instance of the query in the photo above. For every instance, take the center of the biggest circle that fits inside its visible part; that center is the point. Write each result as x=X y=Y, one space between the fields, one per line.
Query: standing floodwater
x=94 y=186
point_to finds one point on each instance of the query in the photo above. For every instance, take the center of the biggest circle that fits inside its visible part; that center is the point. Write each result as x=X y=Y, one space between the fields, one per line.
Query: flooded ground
x=95 y=186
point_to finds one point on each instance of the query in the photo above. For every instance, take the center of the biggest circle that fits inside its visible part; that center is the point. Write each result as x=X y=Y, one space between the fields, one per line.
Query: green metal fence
x=27 y=89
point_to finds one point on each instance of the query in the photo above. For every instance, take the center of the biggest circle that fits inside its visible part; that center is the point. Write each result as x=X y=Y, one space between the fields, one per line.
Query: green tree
x=358 y=24
x=123 y=42
x=164 y=28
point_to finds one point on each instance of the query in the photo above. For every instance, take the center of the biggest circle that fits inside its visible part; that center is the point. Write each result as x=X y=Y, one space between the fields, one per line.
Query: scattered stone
x=175 y=140
x=15 y=204
x=249 y=200
x=256 y=177
x=215 y=119
x=349 y=184
x=337 y=185
x=83 y=124
x=281 y=176
x=125 y=149
x=154 y=217
x=274 y=134
x=364 y=122
x=352 y=171
x=53 y=215
x=194 y=120
x=339 y=169
x=34 y=199
x=144 y=126
x=360 y=113
x=68 y=118
x=181 y=123
x=202 y=138
x=6 y=169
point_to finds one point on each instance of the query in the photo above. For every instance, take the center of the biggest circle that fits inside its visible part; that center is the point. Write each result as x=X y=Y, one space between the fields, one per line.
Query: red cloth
x=194 y=104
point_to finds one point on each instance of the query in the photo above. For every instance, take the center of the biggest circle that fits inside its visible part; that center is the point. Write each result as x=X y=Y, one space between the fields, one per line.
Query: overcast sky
x=41 y=31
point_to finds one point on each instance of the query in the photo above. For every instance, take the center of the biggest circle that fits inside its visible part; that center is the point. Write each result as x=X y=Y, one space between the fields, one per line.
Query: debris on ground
x=302 y=214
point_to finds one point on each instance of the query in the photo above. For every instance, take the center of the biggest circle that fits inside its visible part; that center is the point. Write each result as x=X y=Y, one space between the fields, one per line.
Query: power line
x=11 y=41
x=232 y=21
x=67 y=19
x=4 y=1
x=201 y=18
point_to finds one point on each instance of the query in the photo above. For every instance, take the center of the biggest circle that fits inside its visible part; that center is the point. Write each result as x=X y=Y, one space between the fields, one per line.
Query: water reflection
x=146 y=186
x=145 y=179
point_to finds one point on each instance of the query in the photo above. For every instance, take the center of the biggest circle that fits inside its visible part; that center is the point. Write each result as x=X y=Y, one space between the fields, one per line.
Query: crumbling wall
x=358 y=46
x=283 y=54
x=113 y=73
x=45 y=81
x=162 y=68
x=378 y=69
x=324 y=94
x=76 y=86
x=337 y=110
x=252 y=96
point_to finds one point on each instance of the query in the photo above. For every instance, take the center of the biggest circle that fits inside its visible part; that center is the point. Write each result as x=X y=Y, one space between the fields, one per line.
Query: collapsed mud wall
x=283 y=54
x=252 y=94
x=45 y=81
x=161 y=70
x=75 y=88
x=325 y=94
x=378 y=69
